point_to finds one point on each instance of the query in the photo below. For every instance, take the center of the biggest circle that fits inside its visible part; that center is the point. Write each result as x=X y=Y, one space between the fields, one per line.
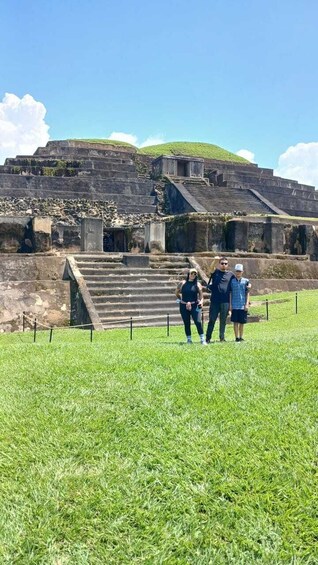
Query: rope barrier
x=269 y=314
x=31 y=320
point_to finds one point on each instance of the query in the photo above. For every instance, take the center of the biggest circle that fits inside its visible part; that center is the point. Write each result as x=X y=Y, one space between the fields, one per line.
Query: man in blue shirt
x=239 y=300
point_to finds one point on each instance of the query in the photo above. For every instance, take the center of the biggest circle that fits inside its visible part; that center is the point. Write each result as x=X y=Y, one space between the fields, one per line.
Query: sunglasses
x=193 y=273
x=223 y=263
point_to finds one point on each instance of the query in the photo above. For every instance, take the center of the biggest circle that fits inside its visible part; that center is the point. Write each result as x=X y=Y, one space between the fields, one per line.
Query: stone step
x=106 y=165
x=76 y=192
x=216 y=199
x=77 y=184
x=128 y=277
x=81 y=152
x=104 y=289
x=162 y=265
x=136 y=209
x=100 y=258
x=174 y=320
x=131 y=287
x=104 y=300
x=116 y=312
x=118 y=270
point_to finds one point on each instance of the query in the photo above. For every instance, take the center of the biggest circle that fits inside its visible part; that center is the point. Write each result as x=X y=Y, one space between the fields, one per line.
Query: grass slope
x=106 y=142
x=148 y=451
x=192 y=149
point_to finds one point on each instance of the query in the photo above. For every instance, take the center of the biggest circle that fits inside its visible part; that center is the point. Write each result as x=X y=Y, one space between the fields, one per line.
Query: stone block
x=15 y=235
x=237 y=235
x=155 y=237
x=136 y=260
x=41 y=234
x=92 y=235
x=274 y=238
x=190 y=233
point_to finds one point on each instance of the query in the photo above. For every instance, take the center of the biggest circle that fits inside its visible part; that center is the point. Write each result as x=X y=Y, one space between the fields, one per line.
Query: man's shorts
x=239 y=316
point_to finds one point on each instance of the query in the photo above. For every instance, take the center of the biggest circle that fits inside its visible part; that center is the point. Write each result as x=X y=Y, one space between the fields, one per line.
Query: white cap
x=239 y=267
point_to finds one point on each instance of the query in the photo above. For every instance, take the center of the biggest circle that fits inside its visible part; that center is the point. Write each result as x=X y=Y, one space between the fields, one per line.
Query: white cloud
x=152 y=140
x=246 y=154
x=121 y=136
x=22 y=126
x=133 y=139
x=300 y=162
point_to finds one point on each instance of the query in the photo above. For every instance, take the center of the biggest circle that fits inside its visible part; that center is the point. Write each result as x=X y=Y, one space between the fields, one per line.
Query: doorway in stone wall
x=183 y=168
x=115 y=240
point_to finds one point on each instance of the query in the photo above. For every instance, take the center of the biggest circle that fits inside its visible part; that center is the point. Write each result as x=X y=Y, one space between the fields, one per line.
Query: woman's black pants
x=186 y=317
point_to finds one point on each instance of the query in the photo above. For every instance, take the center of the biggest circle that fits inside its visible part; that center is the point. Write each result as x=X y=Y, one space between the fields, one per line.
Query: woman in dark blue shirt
x=189 y=292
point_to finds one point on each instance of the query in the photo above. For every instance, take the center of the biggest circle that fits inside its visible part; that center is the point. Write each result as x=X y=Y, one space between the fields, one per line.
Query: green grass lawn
x=154 y=452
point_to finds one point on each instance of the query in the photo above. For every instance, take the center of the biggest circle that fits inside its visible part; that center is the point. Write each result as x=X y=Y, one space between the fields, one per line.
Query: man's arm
x=214 y=263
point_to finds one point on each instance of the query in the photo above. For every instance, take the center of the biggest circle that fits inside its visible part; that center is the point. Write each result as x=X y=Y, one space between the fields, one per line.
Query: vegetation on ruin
x=192 y=149
x=149 y=451
x=106 y=142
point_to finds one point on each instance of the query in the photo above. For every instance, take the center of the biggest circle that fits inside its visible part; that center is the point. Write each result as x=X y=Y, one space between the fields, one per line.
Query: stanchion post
x=168 y=325
x=51 y=334
x=131 y=328
x=296 y=303
x=266 y=309
x=34 y=331
x=91 y=333
x=23 y=321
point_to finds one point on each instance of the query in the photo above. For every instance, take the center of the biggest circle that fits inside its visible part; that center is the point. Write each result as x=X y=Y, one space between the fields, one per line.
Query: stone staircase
x=225 y=199
x=145 y=294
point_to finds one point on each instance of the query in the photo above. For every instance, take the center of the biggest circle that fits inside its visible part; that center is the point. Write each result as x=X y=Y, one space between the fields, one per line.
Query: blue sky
x=240 y=74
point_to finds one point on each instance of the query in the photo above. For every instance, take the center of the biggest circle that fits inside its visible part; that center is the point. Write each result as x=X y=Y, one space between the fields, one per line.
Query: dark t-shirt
x=220 y=286
x=189 y=292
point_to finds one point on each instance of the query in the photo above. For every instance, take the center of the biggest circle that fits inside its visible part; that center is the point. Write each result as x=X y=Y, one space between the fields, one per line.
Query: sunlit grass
x=151 y=451
x=193 y=149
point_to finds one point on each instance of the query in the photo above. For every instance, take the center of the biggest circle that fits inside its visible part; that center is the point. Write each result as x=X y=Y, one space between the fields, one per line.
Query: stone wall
x=189 y=233
x=273 y=235
x=33 y=284
x=269 y=273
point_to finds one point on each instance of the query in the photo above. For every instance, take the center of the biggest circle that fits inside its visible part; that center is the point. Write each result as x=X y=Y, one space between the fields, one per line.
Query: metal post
x=34 y=332
x=51 y=335
x=131 y=328
x=266 y=309
x=296 y=303
x=91 y=333
x=23 y=320
x=168 y=325
x=202 y=319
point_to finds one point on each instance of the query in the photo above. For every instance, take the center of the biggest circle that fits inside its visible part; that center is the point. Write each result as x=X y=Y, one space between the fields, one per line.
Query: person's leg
x=224 y=309
x=185 y=314
x=213 y=314
x=243 y=321
x=236 y=330
x=196 y=316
